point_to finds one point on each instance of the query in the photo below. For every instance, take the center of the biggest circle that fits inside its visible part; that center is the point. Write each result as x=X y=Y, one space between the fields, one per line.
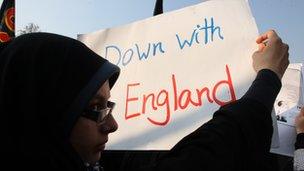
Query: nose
x=110 y=125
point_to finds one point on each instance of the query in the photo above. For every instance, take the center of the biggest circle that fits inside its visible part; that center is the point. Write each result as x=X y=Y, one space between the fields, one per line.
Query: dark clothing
x=46 y=81
x=238 y=137
x=300 y=141
x=298 y=163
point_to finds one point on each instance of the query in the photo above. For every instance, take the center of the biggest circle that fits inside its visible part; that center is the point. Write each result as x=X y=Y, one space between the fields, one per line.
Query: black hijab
x=46 y=81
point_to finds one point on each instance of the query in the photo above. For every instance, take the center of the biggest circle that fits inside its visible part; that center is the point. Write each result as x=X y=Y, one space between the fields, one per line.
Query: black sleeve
x=238 y=137
x=264 y=88
x=300 y=141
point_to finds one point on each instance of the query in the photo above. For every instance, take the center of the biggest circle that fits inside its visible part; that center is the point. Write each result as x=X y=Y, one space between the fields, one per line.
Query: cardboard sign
x=177 y=70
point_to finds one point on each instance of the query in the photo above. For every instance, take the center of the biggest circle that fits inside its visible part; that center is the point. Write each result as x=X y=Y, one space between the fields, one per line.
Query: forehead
x=104 y=91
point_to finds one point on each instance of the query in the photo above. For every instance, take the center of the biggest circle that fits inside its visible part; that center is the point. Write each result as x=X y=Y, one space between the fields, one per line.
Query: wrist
x=278 y=74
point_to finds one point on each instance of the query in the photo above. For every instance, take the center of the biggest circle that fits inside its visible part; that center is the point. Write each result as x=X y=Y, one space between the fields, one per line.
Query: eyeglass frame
x=99 y=115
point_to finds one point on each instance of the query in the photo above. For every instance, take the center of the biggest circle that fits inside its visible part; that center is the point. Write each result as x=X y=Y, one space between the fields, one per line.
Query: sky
x=72 y=17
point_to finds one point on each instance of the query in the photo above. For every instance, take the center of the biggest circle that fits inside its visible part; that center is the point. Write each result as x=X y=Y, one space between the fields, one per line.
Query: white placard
x=176 y=70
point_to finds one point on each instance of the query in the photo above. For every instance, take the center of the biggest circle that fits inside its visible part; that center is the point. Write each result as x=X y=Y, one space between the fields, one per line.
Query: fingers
x=287 y=47
x=261 y=38
x=285 y=50
x=286 y=53
x=271 y=35
x=261 y=46
x=266 y=38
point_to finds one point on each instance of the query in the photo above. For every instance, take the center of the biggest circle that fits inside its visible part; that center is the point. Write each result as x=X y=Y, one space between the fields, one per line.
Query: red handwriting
x=182 y=100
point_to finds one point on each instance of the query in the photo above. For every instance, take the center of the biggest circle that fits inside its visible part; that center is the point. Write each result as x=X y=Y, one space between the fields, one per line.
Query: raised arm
x=238 y=137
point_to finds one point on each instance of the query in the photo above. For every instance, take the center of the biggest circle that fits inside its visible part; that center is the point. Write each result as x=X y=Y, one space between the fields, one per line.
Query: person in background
x=298 y=160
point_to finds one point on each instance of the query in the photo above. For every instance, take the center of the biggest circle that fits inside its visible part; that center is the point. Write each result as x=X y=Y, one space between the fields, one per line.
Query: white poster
x=288 y=102
x=177 y=69
x=287 y=106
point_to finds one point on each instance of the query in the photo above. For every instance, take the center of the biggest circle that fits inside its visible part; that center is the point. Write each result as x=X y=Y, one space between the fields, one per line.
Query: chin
x=95 y=158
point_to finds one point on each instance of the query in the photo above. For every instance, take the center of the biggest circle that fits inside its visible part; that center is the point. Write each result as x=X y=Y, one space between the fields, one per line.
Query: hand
x=299 y=122
x=272 y=54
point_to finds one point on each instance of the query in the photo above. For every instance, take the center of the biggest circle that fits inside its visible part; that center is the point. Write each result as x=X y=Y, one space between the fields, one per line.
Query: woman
x=51 y=89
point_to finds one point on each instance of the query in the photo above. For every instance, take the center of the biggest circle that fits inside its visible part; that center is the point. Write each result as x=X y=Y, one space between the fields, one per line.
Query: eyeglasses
x=99 y=115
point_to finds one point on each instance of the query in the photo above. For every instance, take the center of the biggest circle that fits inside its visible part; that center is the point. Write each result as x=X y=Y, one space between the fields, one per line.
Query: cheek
x=85 y=136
